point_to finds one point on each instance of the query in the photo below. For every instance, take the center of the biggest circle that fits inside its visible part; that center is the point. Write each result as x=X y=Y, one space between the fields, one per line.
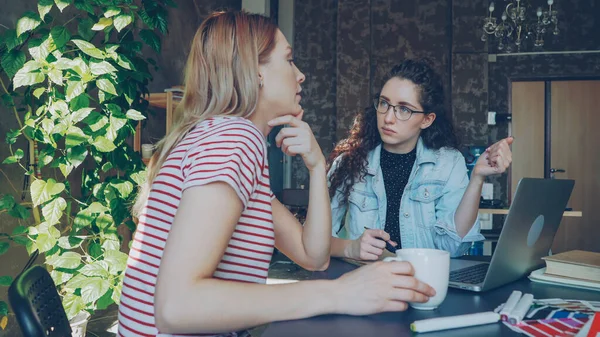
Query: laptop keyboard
x=471 y=275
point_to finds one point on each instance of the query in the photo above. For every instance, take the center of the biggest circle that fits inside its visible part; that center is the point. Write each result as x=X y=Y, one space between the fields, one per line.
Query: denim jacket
x=434 y=190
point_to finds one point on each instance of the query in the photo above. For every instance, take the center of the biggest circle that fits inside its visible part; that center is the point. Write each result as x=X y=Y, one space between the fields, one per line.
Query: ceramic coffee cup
x=432 y=266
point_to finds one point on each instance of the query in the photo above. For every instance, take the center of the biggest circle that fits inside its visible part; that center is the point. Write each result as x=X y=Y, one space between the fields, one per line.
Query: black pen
x=388 y=245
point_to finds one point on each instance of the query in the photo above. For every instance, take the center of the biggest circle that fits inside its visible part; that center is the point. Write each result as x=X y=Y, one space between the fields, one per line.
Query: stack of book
x=575 y=268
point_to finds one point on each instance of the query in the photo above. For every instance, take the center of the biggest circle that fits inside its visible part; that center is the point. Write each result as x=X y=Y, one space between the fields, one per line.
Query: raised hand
x=495 y=160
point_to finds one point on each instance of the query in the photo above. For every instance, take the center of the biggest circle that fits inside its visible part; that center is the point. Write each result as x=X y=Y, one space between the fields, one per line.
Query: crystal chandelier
x=515 y=26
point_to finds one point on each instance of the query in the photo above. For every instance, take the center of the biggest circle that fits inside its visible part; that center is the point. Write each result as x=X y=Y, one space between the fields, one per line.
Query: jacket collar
x=424 y=155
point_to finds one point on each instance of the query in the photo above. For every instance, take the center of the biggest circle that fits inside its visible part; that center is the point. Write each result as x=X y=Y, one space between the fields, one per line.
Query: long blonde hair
x=221 y=78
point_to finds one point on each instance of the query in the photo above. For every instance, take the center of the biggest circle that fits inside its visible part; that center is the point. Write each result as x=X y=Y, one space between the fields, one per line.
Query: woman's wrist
x=477 y=179
x=319 y=167
x=336 y=296
x=349 y=249
x=324 y=296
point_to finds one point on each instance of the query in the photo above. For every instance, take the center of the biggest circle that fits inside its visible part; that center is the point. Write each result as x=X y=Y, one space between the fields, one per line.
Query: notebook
x=575 y=264
x=541 y=276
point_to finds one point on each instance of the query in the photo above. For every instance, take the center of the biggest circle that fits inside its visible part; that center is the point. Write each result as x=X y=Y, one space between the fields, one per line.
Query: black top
x=396 y=170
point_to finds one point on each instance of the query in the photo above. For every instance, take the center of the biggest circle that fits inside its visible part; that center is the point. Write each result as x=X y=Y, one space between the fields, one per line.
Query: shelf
x=167 y=100
x=505 y=211
x=161 y=99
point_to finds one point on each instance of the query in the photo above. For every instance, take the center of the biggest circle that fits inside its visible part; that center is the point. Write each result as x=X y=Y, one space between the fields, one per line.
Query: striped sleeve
x=235 y=157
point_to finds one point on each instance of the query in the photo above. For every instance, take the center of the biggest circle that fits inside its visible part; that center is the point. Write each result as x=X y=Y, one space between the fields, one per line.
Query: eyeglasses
x=402 y=112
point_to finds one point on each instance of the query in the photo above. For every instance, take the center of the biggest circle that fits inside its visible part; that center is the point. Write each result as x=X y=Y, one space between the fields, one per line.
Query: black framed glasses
x=402 y=112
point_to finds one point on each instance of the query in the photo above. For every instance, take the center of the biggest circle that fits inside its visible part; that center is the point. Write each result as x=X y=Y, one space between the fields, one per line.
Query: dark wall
x=408 y=29
x=469 y=93
x=315 y=55
x=371 y=35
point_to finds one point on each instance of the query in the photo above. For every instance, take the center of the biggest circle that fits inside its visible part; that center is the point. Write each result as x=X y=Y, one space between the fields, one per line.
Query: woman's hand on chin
x=298 y=139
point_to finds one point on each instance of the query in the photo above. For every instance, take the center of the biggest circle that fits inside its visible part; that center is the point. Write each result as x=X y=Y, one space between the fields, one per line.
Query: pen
x=388 y=245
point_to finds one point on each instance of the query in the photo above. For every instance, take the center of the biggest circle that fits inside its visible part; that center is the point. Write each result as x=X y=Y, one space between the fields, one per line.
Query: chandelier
x=515 y=26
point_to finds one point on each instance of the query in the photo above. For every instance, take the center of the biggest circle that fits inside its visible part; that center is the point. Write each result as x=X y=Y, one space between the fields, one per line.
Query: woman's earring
x=260 y=85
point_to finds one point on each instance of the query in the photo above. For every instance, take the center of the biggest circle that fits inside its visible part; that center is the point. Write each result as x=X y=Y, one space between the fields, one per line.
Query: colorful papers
x=555 y=317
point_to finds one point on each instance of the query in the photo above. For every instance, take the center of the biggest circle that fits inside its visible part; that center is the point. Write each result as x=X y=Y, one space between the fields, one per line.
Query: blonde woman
x=208 y=220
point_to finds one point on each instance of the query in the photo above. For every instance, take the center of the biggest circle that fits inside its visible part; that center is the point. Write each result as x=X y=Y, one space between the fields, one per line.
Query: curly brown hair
x=364 y=135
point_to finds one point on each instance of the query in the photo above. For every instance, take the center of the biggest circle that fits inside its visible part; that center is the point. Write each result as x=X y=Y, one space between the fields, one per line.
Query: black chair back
x=294 y=197
x=37 y=305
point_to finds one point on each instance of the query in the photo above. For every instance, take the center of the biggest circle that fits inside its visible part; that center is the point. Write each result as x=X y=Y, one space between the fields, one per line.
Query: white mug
x=432 y=266
x=147 y=150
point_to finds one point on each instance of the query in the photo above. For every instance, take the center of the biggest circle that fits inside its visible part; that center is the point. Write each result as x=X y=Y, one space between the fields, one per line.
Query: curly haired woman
x=399 y=177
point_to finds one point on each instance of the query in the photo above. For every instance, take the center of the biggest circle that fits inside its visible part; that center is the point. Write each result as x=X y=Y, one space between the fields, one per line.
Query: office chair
x=37 y=305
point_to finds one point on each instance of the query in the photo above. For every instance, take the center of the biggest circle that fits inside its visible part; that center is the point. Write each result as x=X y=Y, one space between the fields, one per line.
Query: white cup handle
x=392 y=258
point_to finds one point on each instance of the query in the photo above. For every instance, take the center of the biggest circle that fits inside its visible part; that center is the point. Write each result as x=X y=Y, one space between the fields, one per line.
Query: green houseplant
x=74 y=76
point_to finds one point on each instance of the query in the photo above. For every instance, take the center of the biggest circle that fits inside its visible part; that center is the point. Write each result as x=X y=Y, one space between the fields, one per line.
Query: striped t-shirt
x=224 y=149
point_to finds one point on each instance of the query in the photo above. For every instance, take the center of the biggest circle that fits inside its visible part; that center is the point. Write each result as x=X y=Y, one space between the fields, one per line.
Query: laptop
x=526 y=237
